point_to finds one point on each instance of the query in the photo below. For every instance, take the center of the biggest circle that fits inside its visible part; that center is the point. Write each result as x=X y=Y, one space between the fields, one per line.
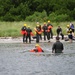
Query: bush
x=52 y=16
x=62 y=18
x=37 y=16
x=72 y=14
x=31 y=18
x=8 y=17
x=18 y=18
x=59 y=18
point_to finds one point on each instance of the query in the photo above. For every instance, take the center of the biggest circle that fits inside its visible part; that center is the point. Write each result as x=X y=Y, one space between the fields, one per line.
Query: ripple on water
x=13 y=61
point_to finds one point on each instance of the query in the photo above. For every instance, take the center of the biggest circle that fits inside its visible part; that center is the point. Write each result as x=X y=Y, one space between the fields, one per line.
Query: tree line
x=37 y=10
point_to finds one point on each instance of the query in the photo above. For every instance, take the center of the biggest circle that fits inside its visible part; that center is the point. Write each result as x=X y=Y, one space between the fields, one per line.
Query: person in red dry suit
x=37 y=49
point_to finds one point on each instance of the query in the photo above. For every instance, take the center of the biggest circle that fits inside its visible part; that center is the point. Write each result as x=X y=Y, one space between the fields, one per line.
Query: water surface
x=15 y=61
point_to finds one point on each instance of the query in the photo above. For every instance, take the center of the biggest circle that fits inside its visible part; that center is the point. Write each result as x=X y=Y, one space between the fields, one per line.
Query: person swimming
x=37 y=49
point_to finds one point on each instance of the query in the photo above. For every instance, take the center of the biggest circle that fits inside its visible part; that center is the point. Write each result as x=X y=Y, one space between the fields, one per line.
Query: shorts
x=70 y=36
x=73 y=30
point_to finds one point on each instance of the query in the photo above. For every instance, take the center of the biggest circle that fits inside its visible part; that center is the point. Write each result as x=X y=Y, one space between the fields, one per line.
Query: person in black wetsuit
x=23 y=32
x=38 y=32
x=28 y=34
x=57 y=46
x=44 y=31
x=59 y=32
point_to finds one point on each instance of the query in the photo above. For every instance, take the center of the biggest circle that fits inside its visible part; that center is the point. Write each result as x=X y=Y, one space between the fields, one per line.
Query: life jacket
x=49 y=28
x=31 y=34
x=38 y=49
x=29 y=31
x=69 y=31
x=38 y=31
x=23 y=32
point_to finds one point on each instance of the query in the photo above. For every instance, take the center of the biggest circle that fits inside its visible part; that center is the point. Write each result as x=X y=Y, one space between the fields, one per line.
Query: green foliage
x=59 y=18
x=37 y=16
x=32 y=10
x=8 y=17
x=52 y=16
x=62 y=18
x=72 y=14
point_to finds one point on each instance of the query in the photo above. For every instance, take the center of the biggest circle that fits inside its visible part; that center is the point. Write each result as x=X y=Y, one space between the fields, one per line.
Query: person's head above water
x=57 y=38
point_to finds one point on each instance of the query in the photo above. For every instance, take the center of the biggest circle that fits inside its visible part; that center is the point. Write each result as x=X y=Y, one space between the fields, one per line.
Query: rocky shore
x=19 y=40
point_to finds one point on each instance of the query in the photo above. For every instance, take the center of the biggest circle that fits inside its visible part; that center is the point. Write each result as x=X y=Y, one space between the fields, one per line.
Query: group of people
x=70 y=32
x=27 y=33
x=46 y=29
x=56 y=48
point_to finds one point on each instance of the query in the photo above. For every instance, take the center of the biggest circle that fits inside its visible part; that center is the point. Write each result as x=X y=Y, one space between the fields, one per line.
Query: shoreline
x=19 y=40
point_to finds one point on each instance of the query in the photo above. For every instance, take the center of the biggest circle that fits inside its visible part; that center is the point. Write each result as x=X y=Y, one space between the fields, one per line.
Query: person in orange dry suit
x=37 y=49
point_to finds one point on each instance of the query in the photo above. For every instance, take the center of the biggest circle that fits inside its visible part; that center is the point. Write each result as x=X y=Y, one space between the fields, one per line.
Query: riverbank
x=19 y=40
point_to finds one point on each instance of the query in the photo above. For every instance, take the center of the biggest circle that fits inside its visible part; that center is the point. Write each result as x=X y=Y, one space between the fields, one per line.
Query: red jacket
x=23 y=32
x=38 y=49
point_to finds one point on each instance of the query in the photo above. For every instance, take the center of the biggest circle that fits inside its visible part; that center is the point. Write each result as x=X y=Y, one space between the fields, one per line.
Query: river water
x=14 y=60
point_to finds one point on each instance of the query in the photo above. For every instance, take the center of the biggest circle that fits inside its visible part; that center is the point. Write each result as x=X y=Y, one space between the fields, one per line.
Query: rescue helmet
x=25 y=24
x=37 y=45
x=37 y=25
x=68 y=26
x=48 y=21
x=28 y=26
x=44 y=22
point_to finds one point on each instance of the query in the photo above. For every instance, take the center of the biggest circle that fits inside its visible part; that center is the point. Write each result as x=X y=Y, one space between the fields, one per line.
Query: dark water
x=15 y=61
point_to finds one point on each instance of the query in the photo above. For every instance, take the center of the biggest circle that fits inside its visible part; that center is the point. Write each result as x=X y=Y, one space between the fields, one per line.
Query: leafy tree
x=14 y=9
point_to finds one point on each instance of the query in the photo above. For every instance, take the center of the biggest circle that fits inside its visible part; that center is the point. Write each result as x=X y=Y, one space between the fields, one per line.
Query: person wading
x=57 y=46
